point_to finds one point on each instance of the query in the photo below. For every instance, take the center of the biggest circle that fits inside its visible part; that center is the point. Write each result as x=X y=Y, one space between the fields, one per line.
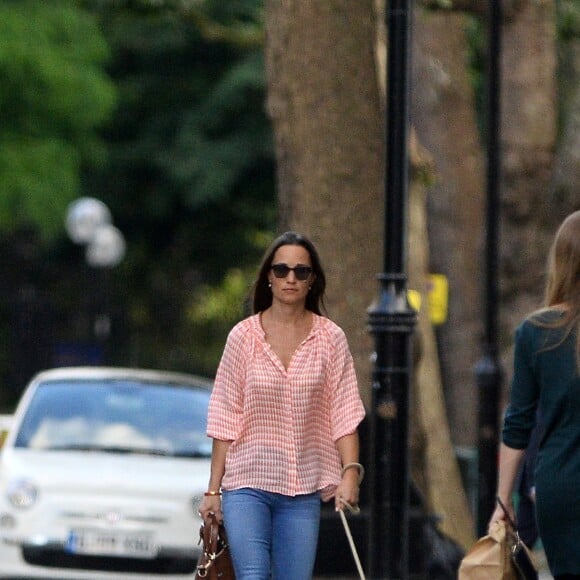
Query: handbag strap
x=213 y=538
x=507 y=515
x=354 y=510
x=211 y=535
x=517 y=540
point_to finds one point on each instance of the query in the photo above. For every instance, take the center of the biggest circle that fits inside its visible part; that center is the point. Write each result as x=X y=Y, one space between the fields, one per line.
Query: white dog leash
x=354 y=510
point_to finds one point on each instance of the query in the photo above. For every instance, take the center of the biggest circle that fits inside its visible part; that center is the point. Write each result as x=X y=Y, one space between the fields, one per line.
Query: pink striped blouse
x=283 y=424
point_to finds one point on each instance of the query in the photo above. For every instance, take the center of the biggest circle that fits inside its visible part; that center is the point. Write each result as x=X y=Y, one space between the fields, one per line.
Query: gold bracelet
x=361 y=470
x=212 y=493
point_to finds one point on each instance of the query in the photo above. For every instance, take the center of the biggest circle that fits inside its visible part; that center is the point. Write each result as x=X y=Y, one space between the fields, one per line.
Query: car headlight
x=22 y=494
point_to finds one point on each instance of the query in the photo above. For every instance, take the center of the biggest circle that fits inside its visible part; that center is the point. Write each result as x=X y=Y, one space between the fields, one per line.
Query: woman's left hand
x=347 y=490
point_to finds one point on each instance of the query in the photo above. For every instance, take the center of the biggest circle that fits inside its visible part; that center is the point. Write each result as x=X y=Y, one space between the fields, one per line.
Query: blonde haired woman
x=546 y=375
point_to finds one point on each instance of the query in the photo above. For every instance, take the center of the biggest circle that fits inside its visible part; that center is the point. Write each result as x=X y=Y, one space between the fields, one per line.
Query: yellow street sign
x=437 y=298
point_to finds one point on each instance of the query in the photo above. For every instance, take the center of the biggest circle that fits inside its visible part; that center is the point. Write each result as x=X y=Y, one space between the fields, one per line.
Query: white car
x=101 y=475
x=5 y=424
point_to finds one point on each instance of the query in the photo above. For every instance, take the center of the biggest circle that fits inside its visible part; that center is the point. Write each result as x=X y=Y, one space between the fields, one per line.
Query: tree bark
x=566 y=179
x=528 y=139
x=443 y=112
x=323 y=100
x=435 y=468
x=325 y=104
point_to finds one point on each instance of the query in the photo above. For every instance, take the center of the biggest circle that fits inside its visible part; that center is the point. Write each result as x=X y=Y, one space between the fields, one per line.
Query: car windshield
x=117 y=417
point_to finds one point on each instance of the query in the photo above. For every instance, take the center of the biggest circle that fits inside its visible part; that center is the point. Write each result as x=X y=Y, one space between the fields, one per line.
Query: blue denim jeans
x=270 y=533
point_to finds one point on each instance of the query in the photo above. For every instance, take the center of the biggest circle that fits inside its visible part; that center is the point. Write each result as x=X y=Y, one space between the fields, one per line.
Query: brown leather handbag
x=215 y=562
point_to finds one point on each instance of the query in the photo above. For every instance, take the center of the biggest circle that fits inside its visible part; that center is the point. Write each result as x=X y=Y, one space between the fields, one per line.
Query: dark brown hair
x=261 y=292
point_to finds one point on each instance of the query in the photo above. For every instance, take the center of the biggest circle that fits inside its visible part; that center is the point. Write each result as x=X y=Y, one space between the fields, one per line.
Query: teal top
x=545 y=375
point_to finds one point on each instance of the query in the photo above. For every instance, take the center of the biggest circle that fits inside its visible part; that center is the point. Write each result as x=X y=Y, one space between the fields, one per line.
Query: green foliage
x=238 y=23
x=220 y=140
x=190 y=120
x=184 y=161
x=216 y=304
x=476 y=33
x=38 y=175
x=211 y=313
x=53 y=95
x=191 y=174
x=439 y=4
x=568 y=22
x=568 y=19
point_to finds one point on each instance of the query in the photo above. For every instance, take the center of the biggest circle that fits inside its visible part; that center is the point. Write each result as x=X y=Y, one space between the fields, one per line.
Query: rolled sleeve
x=520 y=415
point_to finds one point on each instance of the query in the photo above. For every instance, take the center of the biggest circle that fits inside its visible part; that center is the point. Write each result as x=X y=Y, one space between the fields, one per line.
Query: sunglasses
x=282 y=270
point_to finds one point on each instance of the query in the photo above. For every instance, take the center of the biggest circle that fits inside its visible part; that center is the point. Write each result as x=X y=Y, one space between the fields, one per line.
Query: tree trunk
x=528 y=139
x=443 y=112
x=566 y=182
x=435 y=467
x=324 y=103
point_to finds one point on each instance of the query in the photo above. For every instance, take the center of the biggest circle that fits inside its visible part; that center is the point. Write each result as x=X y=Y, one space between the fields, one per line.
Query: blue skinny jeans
x=271 y=535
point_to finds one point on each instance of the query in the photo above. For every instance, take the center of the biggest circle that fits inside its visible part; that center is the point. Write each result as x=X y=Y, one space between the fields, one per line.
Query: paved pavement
x=542 y=565
x=544 y=573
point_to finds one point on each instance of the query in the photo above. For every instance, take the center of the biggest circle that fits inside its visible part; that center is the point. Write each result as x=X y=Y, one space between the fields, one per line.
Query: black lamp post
x=392 y=322
x=488 y=370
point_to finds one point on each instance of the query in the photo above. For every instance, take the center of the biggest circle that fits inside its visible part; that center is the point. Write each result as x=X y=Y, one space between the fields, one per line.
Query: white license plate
x=105 y=543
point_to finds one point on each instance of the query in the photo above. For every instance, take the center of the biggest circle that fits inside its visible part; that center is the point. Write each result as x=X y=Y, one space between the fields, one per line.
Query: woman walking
x=283 y=416
x=546 y=374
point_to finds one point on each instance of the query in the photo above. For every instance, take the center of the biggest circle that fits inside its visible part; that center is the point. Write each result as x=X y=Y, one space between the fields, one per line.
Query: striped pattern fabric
x=283 y=424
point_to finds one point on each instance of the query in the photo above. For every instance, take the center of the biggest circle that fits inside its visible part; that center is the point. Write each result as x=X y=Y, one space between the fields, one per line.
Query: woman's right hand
x=211 y=504
x=499 y=513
